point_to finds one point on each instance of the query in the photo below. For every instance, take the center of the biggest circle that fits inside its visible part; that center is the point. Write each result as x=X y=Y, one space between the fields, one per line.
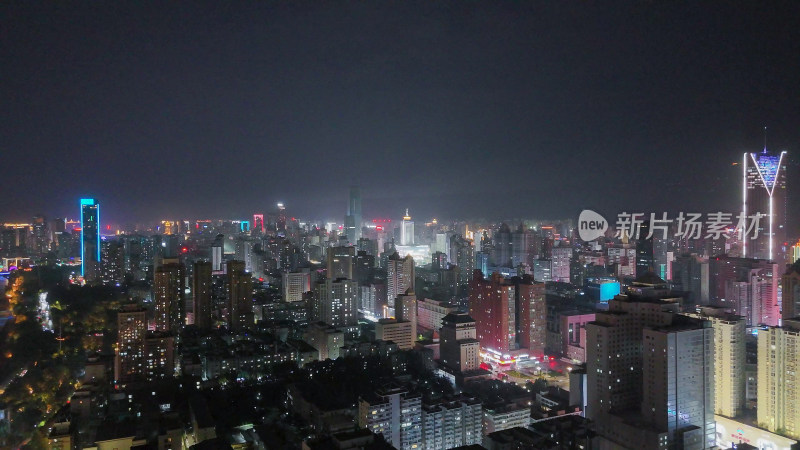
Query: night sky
x=453 y=109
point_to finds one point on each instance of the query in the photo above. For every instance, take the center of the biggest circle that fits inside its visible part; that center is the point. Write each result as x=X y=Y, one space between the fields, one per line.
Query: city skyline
x=448 y=113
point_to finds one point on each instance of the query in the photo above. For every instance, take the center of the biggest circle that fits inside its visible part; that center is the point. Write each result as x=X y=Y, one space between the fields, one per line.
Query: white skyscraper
x=407 y=230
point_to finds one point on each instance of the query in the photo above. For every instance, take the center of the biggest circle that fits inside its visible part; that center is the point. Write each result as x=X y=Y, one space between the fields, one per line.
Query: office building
x=295 y=285
x=336 y=302
x=560 y=264
x=352 y=221
x=240 y=296
x=462 y=254
x=217 y=254
x=341 y=261
x=764 y=192
x=779 y=378
x=407 y=230
x=401 y=332
x=90 y=239
x=399 y=276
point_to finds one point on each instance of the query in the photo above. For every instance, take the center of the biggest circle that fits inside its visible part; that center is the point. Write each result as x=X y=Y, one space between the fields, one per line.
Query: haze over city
x=217 y=110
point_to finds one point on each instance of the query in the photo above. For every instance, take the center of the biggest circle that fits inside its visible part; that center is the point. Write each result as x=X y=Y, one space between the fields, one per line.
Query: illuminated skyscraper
x=352 y=222
x=90 y=239
x=407 y=230
x=131 y=330
x=778 y=380
x=168 y=288
x=764 y=191
x=399 y=277
x=258 y=223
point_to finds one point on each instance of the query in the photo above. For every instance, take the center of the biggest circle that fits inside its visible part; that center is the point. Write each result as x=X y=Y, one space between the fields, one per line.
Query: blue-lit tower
x=90 y=239
x=764 y=191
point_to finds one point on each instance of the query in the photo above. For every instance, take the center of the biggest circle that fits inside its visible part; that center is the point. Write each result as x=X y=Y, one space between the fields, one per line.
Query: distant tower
x=90 y=239
x=407 y=230
x=764 y=191
x=352 y=221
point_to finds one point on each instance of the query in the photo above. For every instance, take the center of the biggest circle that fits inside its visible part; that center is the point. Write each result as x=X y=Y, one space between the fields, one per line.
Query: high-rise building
x=690 y=274
x=41 y=237
x=645 y=256
x=202 y=289
x=258 y=223
x=217 y=254
x=790 y=291
x=407 y=230
x=395 y=413
x=405 y=309
x=295 y=285
x=543 y=270
x=748 y=287
x=159 y=356
x=462 y=254
x=90 y=239
x=352 y=222
x=168 y=293
x=502 y=247
x=131 y=329
x=764 y=192
x=336 y=302
x=779 y=378
x=560 y=264
x=531 y=314
x=729 y=360
x=459 y=347
x=240 y=297
x=650 y=378
x=400 y=274
x=112 y=255
x=492 y=305
x=340 y=262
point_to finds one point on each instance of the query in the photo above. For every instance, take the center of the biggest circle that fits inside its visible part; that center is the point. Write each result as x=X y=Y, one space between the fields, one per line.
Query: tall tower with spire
x=407 y=230
x=764 y=191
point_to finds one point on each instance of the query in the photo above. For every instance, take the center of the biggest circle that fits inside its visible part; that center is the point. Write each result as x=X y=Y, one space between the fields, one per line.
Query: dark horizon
x=452 y=110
